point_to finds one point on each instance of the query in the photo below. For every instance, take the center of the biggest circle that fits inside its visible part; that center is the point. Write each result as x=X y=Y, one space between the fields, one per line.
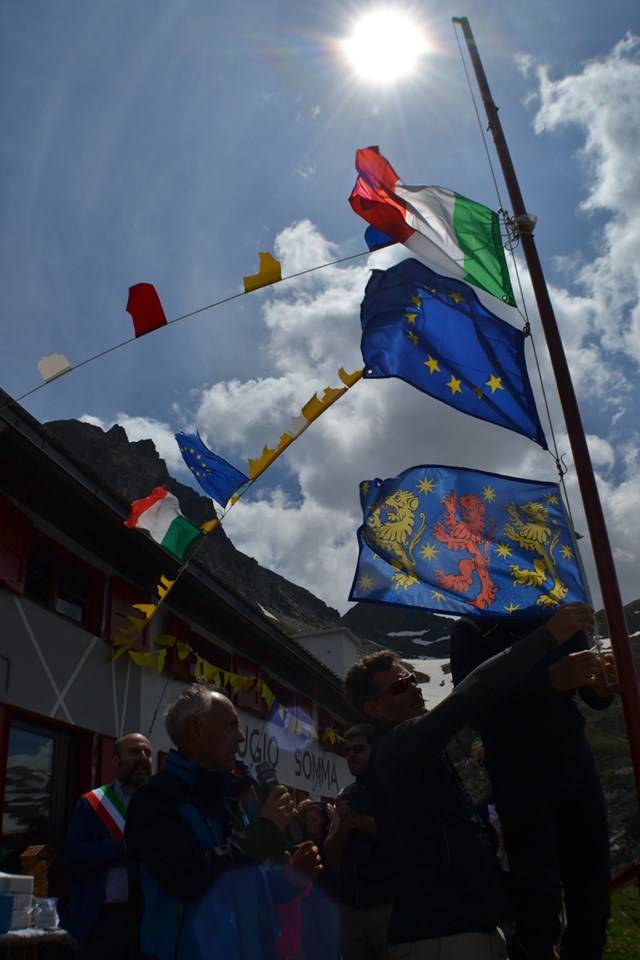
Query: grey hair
x=193 y=701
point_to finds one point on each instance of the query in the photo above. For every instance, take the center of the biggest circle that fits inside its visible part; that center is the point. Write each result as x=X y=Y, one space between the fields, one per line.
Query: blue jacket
x=89 y=853
x=196 y=869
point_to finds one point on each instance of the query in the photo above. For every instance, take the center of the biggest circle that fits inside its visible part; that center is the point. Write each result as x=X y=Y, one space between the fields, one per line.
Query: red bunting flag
x=145 y=308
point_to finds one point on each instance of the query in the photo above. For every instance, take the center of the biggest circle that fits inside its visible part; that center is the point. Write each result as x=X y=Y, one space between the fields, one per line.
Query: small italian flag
x=456 y=236
x=159 y=514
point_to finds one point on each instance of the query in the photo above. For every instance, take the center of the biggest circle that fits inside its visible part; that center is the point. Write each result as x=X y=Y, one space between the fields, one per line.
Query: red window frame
x=15 y=537
x=8 y=713
x=104 y=760
x=62 y=560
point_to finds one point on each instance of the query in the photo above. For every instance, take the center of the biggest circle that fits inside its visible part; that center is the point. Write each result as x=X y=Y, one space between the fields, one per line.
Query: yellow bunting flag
x=329 y=736
x=312 y=409
x=148 y=609
x=210 y=525
x=122 y=644
x=349 y=379
x=164 y=587
x=152 y=661
x=52 y=366
x=270 y=272
x=267 y=694
x=184 y=650
x=207 y=671
x=165 y=640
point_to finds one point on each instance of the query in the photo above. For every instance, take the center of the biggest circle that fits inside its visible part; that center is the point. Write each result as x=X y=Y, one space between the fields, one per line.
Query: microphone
x=268 y=779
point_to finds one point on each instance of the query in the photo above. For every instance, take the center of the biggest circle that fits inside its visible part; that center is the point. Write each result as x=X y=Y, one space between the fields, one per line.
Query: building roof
x=48 y=481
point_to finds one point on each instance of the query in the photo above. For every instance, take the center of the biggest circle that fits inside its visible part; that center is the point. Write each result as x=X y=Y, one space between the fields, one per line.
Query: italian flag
x=159 y=514
x=456 y=236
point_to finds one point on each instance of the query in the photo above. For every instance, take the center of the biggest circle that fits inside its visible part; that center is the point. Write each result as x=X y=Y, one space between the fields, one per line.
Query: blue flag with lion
x=461 y=541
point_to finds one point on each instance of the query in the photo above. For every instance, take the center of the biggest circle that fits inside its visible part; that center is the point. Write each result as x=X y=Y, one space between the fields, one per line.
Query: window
x=43 y=779
x=15 y=534
x=64 y=583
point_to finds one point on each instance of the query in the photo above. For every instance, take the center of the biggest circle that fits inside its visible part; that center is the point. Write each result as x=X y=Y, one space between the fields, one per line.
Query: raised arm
x=485 y=686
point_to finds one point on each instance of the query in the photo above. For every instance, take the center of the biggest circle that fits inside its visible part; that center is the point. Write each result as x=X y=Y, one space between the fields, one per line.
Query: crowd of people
x=201 y=860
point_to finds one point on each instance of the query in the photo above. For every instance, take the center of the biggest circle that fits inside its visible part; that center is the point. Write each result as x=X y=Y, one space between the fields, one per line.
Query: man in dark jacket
x=447 y=888
x=97 y=911
x=355 y=847
x=196 y=857
x=546 y=788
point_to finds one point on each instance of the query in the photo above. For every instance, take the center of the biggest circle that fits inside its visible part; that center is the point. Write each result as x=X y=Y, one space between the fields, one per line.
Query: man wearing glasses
x=447 y=888
x=354 y=846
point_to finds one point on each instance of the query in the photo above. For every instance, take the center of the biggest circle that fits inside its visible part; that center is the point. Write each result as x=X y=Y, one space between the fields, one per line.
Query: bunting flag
x=159 y=514
x=225 y=680
x=466 y=542
x=52 y=366
x=217 y=478
x=145 y=308
x=457 y=236
x=434 y=333
x=270 y=272
x=151 y=660
x=314 y=408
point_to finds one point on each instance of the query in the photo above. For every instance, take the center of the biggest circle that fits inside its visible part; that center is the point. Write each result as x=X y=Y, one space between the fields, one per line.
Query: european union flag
x=434 y=332
x=217 y=478
x=463 y=541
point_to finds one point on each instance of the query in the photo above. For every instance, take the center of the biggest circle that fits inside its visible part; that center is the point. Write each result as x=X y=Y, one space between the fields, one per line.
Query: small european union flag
x=217 y=478
x=434 y=333
x=466 y=542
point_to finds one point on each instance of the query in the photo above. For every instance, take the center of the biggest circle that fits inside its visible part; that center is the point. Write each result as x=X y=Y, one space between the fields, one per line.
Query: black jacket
x=163 y=841
x=446 y=879
x=364 y=872
x=534 y=736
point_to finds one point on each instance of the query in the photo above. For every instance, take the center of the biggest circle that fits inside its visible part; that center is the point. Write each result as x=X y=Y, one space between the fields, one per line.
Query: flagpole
x=629 y=689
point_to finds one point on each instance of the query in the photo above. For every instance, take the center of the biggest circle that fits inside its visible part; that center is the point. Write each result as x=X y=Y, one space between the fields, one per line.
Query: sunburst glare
x=385 y=45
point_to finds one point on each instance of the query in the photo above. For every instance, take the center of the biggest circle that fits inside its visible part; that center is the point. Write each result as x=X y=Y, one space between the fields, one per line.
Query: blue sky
x=169 y=142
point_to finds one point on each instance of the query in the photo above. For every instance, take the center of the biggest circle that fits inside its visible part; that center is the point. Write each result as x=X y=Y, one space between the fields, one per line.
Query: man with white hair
x=198 y=862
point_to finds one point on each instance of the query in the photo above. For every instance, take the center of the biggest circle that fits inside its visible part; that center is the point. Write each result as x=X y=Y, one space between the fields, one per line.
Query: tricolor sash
x=109 y=808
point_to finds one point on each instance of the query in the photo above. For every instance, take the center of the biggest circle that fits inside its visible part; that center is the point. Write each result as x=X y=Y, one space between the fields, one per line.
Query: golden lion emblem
x=390 y=530
x=530 y=528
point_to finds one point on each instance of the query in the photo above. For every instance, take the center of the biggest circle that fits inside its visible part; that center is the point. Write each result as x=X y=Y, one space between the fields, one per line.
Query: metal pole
x=629 y=689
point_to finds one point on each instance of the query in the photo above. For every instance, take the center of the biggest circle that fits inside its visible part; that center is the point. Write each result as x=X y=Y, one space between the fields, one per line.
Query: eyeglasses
x=356 y=748
x=401 y=685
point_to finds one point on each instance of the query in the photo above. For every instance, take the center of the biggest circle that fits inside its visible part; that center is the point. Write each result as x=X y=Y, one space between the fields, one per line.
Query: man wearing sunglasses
x=447 y=888
x=354 y=846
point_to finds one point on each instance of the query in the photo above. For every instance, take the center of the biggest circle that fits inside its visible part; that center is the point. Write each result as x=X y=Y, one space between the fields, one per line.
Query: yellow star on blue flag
x=217 y=478
x=454 y=347
x=468 y=542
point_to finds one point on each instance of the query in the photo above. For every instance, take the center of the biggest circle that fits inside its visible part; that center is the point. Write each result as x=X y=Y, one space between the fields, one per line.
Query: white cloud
x=602 y=101
x=382 y=427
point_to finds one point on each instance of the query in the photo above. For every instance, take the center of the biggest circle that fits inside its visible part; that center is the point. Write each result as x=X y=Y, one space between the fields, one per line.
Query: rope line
x=478 y=118
x=184 y=316
x=513 y=236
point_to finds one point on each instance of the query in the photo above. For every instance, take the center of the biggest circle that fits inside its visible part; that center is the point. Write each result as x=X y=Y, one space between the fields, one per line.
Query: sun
x=385 y=45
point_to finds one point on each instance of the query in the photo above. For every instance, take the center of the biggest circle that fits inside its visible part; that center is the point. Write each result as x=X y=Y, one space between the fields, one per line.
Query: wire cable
x=184 y=316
